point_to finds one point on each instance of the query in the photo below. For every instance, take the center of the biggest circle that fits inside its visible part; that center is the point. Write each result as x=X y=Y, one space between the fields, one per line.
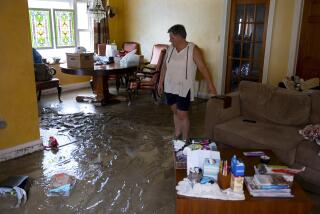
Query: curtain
x=101 y=30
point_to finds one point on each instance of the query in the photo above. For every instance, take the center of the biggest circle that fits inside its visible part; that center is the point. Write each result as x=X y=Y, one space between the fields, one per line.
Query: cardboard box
x=236 y=183
x=80 y=60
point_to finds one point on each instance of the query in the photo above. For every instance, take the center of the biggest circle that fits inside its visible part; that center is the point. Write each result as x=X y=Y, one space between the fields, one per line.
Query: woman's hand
x=212 y=90
x=160 y=89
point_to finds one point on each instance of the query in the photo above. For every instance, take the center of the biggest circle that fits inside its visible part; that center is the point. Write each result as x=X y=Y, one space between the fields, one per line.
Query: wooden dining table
x=100 y=74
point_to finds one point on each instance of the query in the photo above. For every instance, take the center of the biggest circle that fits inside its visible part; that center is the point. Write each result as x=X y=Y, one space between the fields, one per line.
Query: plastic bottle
x=237 y=175
x=233 y=162
x=114 y=48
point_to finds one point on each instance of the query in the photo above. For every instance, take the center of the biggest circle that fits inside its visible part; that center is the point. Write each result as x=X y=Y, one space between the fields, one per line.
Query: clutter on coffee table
x=182 y=147
x=203 y=167
x=271 y=181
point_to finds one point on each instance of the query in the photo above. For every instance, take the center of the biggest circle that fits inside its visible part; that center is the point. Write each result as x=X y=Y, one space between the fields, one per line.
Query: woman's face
x=174 y=39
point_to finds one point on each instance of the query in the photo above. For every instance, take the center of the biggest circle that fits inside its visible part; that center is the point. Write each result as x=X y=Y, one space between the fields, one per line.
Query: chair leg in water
x=39 y=95
x=129 y=96
x=59 y=93
x=154 y=94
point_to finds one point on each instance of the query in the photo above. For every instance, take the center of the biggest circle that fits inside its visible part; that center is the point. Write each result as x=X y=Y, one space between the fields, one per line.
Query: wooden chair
x=126 y=48
x=147 y=81
x=102 y=49
x=43 y=85
x=150 y=67
x=130 y=46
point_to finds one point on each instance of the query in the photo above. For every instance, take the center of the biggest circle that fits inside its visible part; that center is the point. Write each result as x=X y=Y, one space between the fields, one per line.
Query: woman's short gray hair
x=178 y=29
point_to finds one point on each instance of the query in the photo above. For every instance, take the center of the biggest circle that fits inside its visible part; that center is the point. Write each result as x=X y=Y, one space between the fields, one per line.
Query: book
x=279 y=170
x=271 y=181
x=251 y=186
x=255 y=191
x=254 y=153
x=273 y=195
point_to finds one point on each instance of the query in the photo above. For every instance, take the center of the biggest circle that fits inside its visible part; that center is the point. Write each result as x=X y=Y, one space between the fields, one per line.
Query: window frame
x=50 y=27
x=55 y=28
x=73 y=7
x=90 y=26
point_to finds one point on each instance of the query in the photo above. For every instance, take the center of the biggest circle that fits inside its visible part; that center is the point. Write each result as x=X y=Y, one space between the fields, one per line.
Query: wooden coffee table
x=300 y=203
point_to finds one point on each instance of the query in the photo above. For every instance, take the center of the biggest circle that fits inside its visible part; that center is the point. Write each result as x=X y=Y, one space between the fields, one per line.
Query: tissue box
x=238 y=168
x=80 y=60
x=211 y=168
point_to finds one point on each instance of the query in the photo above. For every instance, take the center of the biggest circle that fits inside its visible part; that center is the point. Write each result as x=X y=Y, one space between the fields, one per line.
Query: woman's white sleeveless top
x=181 y=71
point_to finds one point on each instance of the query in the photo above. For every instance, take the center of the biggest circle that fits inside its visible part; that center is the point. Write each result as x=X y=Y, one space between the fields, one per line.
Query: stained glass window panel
x=64 y=28
x=40 y=27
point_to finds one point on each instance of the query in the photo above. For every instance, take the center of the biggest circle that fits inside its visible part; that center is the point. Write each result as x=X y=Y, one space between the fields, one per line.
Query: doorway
x=308 y=62
x=246 y=42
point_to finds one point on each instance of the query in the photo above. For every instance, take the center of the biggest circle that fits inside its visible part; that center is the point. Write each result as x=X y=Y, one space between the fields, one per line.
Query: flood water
x=120 y=156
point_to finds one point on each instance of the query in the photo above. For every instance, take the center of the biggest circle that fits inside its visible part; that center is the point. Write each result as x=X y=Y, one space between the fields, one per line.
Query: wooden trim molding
x=224 y=47
x=266 y=59
x=20 y=150
x=295 y=37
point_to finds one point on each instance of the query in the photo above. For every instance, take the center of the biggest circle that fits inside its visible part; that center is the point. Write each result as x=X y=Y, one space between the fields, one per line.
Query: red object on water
x=53 y=143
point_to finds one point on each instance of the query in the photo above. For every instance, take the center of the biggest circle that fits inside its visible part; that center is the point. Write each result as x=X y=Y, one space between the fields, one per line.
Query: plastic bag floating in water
x=61 y=184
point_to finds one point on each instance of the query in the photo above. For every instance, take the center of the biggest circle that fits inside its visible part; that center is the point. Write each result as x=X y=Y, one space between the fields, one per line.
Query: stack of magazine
x=269 y=185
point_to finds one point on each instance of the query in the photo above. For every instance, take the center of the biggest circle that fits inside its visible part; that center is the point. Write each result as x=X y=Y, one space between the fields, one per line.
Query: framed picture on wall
x=64 y=26
x=40 y=28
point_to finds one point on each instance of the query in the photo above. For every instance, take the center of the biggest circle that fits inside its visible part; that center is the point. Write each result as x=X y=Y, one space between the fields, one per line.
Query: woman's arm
x=162 y=75
x=202 y=67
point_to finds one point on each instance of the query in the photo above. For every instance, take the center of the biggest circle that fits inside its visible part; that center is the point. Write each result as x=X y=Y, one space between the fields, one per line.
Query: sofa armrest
x=217 y=112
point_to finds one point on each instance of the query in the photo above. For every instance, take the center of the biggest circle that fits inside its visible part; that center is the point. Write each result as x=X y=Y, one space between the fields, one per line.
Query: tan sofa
x=275 y=115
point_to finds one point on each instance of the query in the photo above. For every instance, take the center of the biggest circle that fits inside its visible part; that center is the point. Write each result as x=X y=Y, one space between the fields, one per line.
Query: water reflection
x=120 y=166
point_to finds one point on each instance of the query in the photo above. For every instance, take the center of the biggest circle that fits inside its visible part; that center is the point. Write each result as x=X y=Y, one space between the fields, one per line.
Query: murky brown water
x=119 y=155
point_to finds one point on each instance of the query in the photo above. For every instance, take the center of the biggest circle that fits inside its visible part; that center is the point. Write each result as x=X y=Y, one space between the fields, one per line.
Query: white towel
x=211 y=191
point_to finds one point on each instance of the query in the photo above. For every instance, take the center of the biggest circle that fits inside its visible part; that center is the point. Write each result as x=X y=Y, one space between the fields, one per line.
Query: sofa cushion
x=307 y=154
x=315 y=108
x=282 y=140
x=253 y=99
x=288 y=107
x=267 y=103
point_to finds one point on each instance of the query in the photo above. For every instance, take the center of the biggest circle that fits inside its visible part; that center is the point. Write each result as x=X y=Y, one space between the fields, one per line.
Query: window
x=40 y=26
x=64 y=25
x=84 y=25
x=64 y=28
x=248 y=25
